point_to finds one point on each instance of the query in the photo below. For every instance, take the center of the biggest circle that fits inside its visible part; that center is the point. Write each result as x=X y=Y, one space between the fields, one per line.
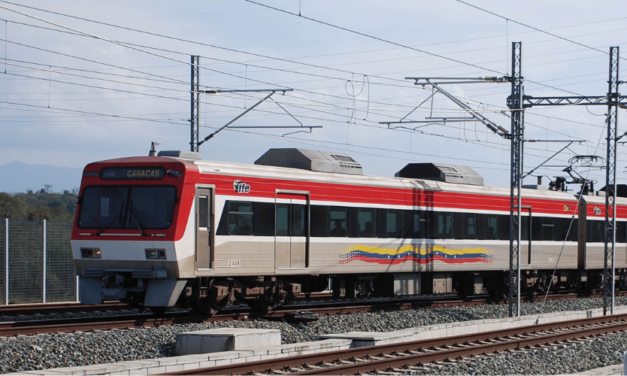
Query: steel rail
x=40 y=308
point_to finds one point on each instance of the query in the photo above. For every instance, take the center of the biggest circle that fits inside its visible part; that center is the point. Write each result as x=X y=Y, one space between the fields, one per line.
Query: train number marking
x=241 y=187
x=233 y=263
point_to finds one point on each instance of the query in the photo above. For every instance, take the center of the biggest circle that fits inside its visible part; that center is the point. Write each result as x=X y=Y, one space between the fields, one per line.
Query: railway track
x=63 y=307
x=412 y=356
x=144 y=320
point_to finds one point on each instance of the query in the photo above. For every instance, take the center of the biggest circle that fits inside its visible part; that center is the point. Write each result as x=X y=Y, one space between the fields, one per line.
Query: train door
x=292 y=230
x=204 y=227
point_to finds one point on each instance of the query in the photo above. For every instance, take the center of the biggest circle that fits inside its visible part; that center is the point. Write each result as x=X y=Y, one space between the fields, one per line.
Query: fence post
x=6 y=261
x=43 y=284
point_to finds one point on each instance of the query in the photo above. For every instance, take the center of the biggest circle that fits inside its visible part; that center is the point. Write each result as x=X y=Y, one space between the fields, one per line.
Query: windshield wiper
x=112 y=222
x=137 y=220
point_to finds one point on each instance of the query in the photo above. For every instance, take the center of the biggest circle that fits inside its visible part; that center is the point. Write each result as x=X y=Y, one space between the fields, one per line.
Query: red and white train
x=172 y=229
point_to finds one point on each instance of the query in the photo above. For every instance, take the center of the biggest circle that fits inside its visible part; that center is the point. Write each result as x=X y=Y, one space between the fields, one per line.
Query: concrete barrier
x=226 y=339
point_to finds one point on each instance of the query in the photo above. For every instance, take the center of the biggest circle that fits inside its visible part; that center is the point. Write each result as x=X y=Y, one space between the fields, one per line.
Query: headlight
x=155 y=254
x=90 y=252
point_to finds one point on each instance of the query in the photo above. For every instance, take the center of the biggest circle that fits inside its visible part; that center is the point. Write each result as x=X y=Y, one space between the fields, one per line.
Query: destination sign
x=132 y=173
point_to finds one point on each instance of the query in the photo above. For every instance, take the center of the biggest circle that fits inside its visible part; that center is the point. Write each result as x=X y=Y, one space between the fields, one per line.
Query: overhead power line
x=257 y=54
x=534 y=28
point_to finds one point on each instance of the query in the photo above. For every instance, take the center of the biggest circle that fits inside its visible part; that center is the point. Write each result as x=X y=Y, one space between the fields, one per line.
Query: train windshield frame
x=143 y=207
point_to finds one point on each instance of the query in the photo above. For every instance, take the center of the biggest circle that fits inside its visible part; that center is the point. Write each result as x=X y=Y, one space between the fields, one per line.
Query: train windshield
x=127 y=207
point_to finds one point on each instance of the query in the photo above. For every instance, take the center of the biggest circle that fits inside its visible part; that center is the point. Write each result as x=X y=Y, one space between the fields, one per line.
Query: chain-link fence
x=40 y=266
x=3 y=259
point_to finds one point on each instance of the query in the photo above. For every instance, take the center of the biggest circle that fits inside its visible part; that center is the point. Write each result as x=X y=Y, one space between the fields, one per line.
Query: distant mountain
x=17 y=177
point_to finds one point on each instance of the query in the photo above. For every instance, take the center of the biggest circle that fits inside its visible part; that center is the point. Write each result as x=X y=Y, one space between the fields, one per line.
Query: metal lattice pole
x=195 y=103
x=515 y=103
x=610 y=185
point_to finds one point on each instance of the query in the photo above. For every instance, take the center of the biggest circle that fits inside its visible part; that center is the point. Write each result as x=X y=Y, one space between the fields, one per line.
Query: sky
x=84 y=81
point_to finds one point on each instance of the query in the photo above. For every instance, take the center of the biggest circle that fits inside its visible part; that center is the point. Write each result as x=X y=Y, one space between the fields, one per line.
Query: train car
x=174 y=230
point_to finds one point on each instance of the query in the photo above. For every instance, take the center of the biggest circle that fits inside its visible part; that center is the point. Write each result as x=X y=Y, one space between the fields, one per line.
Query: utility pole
x=610 y=187
x=515 y=104
x=194 y=119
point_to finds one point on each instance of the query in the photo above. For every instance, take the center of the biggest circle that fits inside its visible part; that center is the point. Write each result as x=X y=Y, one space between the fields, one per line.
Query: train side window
x=381 y=219
x=465 y=226
x=503 y=230
x=621 y=232
x=524 y=226
x=417 y=224
x=299 y=220
x=488 y=226
x=394 y=223
x=492 y=227
x=562 y=231
x=443 y=225
x=240 y=218
x=573 y=233
x=264 y=219
x=338 y=222
x=319 y=221
x=282 y=219
x=223 y=226
x=543 y=228
x=594 y=231
x=548 y=228
x=363 y=222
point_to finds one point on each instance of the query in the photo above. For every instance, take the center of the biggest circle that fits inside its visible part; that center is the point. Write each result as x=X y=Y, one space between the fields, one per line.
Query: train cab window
x=299 y=220
x=417 y=224
x=443 y=225
x=338 y=221
x=282 y=219
x=363 y=223
x=263 y=219
x=465 y=226
x=594 y=231
x=130 y=207
x=621 y=232
x=319 y=221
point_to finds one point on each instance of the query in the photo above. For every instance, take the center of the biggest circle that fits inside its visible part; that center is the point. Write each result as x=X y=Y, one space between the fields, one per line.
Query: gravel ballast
x=79 y=349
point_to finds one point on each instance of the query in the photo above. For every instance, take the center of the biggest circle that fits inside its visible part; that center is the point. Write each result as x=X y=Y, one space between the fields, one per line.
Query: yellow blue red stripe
x=411 y=253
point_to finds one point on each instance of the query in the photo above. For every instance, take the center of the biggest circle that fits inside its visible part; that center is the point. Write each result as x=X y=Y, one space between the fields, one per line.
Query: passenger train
x=174 y=230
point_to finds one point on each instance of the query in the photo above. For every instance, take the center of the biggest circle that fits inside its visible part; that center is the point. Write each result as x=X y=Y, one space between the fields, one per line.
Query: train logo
x=597 y=210
x=412 y=253
x=241 y=187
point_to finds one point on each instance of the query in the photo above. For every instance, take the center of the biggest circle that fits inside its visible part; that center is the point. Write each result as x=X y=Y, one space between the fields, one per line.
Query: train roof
x=288 y=173
x=299 y=174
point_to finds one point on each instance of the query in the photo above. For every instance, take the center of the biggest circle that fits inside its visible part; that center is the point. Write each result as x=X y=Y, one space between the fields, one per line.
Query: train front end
x=131 y=218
